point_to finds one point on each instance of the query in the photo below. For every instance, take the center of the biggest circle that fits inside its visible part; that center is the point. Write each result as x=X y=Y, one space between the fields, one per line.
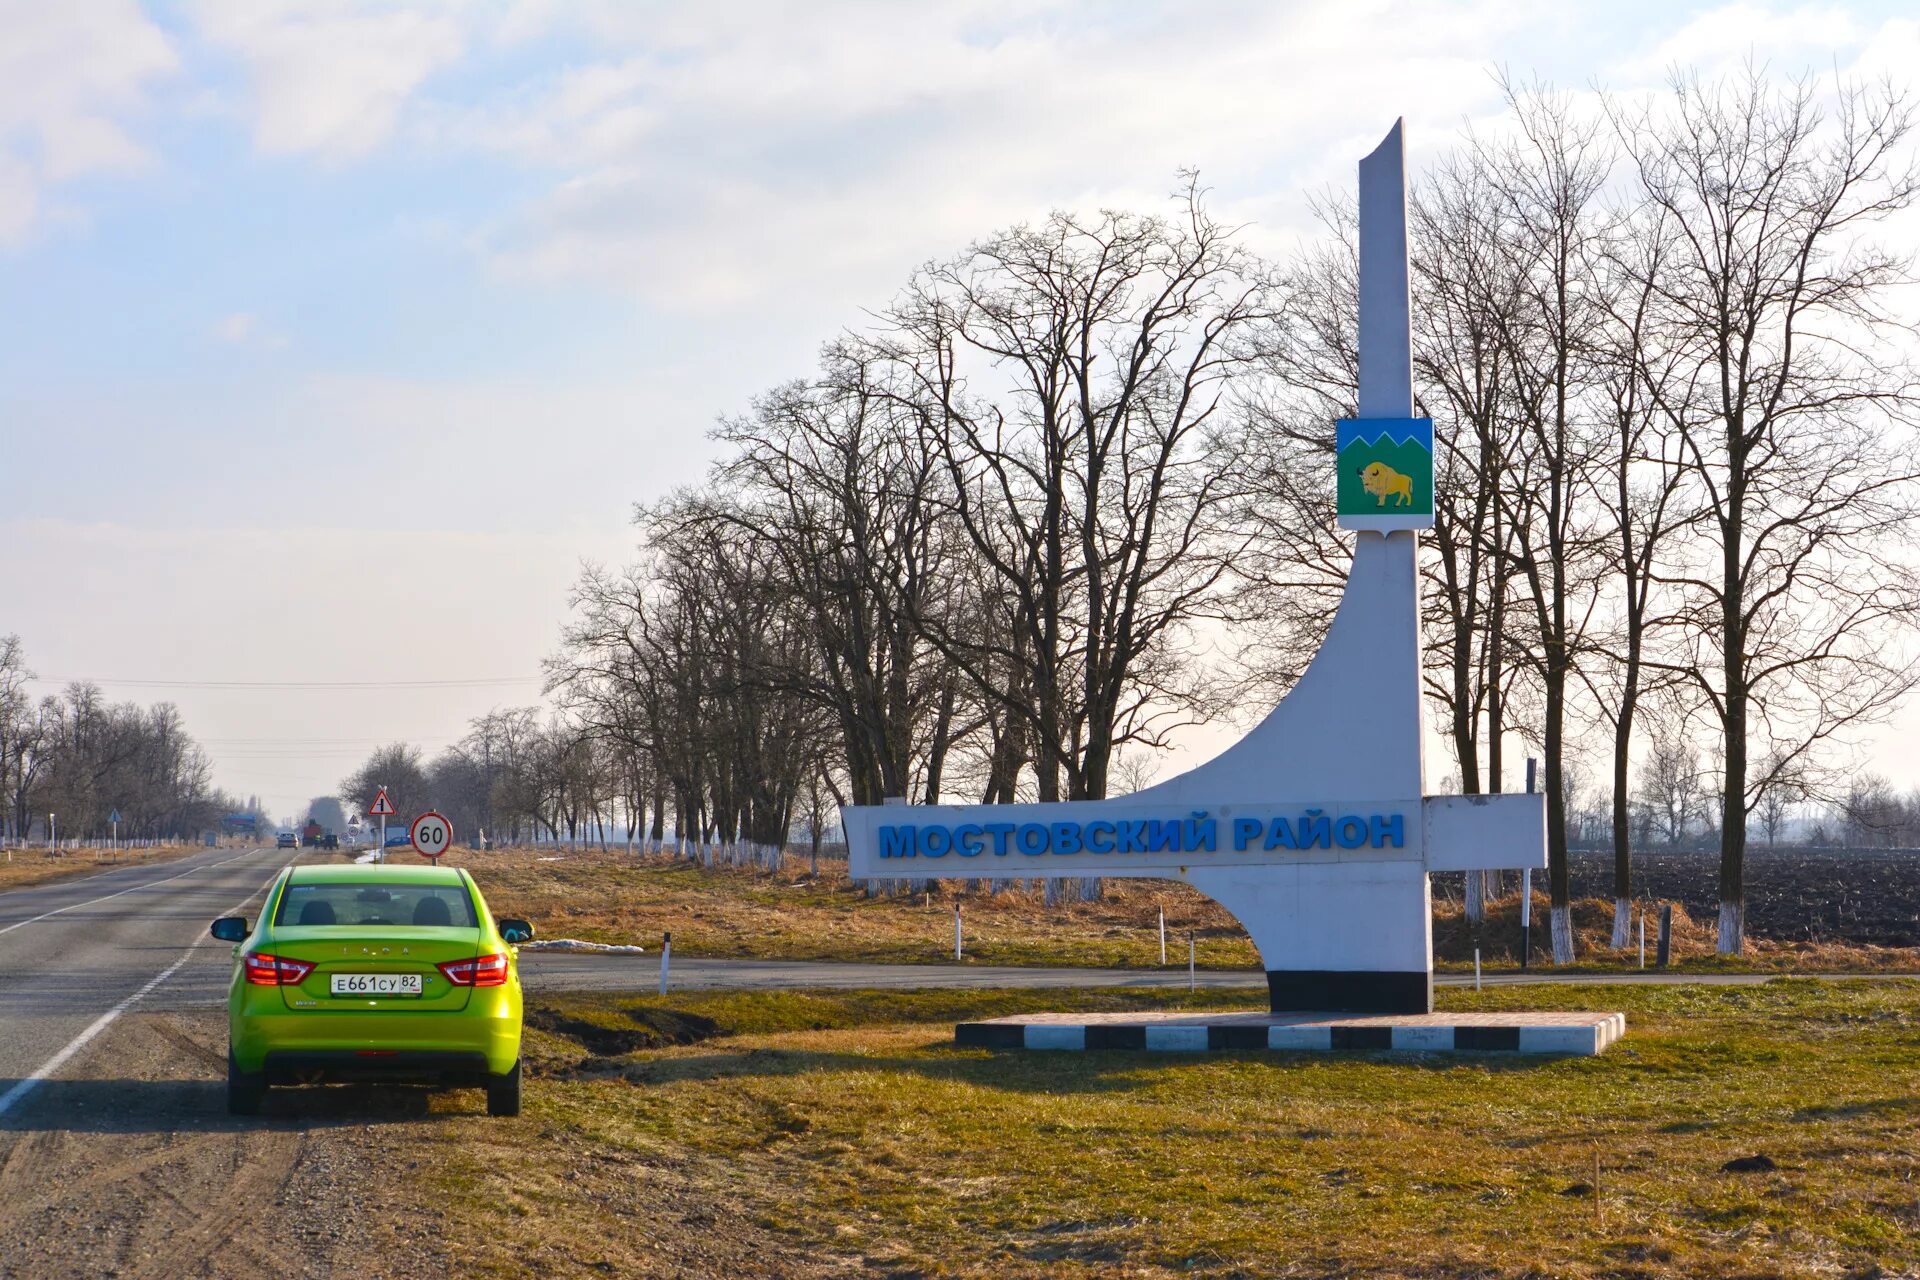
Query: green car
x=375 y=972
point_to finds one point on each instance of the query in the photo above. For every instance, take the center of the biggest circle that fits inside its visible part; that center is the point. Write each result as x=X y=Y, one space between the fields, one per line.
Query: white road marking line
x=45 y=1070
x=151 y=884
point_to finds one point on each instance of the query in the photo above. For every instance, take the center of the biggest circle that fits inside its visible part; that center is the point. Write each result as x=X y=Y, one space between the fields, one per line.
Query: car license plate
x=376 y=984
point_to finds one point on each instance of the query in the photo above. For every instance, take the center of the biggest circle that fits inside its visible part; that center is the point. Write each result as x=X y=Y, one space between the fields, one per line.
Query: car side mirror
x=230 y=929
x=516 y=931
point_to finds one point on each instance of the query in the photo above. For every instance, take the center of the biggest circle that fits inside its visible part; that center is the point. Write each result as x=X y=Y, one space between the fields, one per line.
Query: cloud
x=1721 y=39
x=708 y=158
x=244 y=329
x=331 y=77
x=73 y=80
x=237 y=328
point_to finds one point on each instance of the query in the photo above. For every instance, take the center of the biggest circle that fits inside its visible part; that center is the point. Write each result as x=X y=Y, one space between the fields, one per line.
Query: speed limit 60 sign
x=431 y=834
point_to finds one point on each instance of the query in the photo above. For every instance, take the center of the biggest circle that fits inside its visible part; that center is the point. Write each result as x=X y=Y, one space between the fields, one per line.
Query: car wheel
x=503 y=1093
x=245 y=1089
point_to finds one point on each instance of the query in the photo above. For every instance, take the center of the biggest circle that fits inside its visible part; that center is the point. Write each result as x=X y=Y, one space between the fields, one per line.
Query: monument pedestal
x=1558 y=1034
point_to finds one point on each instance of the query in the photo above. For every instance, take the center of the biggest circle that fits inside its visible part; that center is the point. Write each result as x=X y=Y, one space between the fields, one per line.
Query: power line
x=323 y=742
x=487 y=682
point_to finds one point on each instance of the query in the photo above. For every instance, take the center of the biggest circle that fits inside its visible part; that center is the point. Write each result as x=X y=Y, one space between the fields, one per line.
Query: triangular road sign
x=381 y=806
x=114 y=816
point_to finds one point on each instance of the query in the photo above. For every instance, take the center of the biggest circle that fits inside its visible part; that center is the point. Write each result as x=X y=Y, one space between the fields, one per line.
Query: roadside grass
x=612 y=897
x=23 y=868
x=841 y=1133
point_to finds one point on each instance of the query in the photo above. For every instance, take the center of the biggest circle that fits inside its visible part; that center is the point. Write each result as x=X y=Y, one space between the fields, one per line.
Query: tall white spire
x=1386 y=343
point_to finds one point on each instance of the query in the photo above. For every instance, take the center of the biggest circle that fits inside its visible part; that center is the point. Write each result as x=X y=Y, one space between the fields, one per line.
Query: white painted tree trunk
x=1562 y=920
x=1733 y=928
x=1090 y=888
x=1622 y=924
x=1476 y=896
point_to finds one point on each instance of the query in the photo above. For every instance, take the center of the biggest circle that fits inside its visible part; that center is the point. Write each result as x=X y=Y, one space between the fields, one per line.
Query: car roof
x=375 y=873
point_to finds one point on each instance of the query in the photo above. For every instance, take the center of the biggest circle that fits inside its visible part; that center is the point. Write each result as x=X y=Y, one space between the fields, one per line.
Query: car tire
x=503 y=1093
x=245 y=1089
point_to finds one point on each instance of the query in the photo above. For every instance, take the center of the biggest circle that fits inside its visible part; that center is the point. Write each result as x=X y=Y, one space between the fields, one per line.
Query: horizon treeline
x=82 y=758
x=1071 y=490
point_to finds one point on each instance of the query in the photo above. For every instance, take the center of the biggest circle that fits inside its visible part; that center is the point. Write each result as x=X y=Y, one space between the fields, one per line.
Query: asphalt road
x=76 y=954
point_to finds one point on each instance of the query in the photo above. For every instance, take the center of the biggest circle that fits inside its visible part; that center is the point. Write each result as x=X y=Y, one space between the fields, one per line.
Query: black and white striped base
x=1565 y=1034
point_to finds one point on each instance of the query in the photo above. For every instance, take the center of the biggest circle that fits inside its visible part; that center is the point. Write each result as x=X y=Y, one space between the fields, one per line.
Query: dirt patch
x=607 y=1037
x=1860 y=897
x=129 y=1166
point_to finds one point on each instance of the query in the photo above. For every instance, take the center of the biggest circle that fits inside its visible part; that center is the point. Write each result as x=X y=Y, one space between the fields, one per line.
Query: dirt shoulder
x=23 y=868
x=129 y=1166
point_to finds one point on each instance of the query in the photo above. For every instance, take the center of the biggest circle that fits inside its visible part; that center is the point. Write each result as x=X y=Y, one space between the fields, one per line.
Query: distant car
x=287 y=840
x=382 y=973
x=329 y=841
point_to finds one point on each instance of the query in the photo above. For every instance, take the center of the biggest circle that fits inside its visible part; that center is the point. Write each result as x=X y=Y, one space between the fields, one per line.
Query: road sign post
x=381 y=808
x=431 y=835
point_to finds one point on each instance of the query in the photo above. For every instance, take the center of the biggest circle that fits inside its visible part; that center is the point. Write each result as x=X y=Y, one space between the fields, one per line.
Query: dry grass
x=610 y=897
x=21 y=868
x=872 y=1147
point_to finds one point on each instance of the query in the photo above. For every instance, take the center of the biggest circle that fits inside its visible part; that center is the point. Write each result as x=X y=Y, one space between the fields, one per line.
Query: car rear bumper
x=380 y=1043
x=451 y=1069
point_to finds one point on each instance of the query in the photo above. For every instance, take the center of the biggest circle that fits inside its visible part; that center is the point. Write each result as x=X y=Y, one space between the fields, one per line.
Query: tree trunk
x=1622 y=823
x=1558 y=880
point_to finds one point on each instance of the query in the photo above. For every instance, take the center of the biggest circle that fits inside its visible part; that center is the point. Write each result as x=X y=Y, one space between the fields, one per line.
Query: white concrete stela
x=1313 y=830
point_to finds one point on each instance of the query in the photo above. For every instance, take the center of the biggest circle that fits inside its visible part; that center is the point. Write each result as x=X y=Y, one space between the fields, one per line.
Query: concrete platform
x=1563 y=1034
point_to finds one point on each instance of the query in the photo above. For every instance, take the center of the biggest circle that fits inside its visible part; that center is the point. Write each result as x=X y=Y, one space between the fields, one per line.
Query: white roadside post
x=1191 y=976
x=1526 y=889
x=1643 y=937
x=956 y=932
x=53 y=841
x=1163 y=937
x=666 y=958
x=1526 y=915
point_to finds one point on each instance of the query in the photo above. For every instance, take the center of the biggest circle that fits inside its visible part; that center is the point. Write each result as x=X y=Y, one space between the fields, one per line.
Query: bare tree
x=1547 y=183
x=1785 y=789
x=1639 y=380
x=1076 y=380
x=1671 y=785
x=1781 y=304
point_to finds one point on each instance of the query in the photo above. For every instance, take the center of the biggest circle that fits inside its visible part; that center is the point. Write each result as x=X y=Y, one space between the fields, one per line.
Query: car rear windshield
x=355 y=902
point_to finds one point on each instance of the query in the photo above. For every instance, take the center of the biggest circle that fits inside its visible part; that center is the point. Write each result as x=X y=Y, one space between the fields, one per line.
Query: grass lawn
x=612 y=897
x=813 y=1134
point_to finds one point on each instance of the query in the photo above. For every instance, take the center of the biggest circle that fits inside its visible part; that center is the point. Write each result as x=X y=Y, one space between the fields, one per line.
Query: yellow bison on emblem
x=1383 y=482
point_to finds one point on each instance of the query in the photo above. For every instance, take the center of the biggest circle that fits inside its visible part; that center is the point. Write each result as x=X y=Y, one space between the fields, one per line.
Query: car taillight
x=264 y=970
x=481 y=971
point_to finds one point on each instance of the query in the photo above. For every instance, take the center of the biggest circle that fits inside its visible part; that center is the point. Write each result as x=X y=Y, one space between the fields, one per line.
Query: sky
x=335 y=336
